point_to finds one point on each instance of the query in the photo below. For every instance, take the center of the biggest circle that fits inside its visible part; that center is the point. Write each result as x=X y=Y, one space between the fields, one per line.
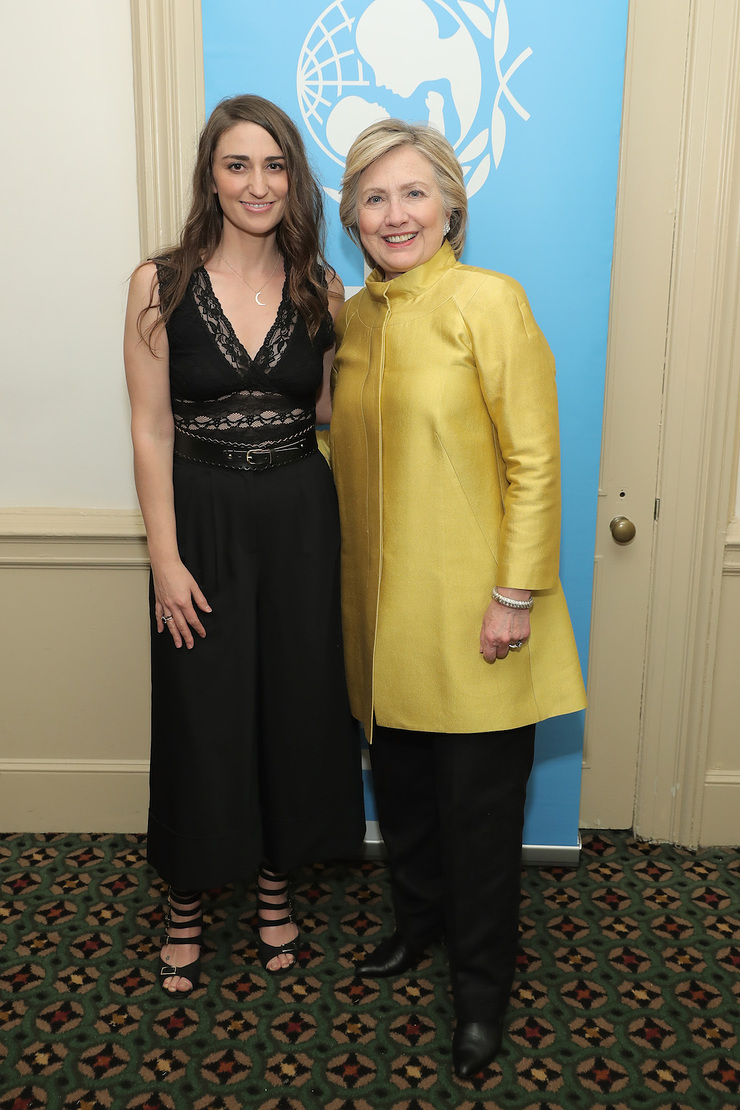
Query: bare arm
x=323 y=398
x=152 y=431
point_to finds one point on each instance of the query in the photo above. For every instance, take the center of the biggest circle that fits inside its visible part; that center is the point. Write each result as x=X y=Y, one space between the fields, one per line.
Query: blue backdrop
x=529 y=92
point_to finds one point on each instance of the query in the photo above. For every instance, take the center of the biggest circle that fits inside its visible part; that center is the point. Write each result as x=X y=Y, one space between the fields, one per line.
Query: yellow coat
x=445 y=452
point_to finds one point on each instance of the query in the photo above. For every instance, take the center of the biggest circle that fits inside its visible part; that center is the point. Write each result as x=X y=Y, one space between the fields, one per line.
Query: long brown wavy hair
x=300 y=233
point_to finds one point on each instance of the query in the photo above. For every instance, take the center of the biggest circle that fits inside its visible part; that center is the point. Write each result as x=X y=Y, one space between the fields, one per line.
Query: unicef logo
x=366 y=60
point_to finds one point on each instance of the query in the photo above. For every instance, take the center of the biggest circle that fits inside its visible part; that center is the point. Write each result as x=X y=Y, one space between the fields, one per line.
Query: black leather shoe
x=393 y=956
x=474 y=1045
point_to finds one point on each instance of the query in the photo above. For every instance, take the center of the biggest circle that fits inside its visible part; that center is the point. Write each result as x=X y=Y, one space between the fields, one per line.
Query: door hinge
x=656 y=511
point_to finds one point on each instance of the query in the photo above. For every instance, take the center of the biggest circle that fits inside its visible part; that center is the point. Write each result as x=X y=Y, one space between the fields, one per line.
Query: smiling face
x=400 y=213
x=250 y=178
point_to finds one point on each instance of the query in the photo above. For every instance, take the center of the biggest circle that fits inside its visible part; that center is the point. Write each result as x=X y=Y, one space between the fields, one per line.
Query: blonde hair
x=375 y=141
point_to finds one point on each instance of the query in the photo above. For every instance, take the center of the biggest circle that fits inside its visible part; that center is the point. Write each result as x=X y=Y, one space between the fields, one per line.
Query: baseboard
x=720 y=825
x=41 y=795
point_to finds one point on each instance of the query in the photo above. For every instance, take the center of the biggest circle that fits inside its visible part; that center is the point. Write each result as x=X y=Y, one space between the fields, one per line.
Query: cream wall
x=73 y=569
x=70 y=239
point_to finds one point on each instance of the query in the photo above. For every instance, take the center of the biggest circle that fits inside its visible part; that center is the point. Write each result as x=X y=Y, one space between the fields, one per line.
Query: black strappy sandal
x=179 y=901
x=267 y=952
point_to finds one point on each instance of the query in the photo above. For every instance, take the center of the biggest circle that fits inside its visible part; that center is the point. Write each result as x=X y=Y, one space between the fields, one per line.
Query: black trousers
x=255 y=754
x=451 y=811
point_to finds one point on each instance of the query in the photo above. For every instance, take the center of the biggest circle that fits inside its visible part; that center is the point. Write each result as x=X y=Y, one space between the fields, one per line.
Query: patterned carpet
x=627 y=995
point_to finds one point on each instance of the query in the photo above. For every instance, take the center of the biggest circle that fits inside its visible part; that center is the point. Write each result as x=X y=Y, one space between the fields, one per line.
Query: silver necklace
x=264 y=285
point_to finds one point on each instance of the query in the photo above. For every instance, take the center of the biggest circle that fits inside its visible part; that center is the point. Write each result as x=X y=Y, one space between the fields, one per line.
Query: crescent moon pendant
x=257 y=298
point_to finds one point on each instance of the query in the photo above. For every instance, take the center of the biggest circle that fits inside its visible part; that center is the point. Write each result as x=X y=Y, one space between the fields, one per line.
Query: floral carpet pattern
x=626 y=998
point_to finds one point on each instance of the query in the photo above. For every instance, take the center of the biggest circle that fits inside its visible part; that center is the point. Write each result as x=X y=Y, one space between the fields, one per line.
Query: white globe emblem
x=366 y=60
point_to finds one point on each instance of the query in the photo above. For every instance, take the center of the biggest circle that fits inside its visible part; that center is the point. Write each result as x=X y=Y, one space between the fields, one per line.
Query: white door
x=647 y=202
x=670 y=429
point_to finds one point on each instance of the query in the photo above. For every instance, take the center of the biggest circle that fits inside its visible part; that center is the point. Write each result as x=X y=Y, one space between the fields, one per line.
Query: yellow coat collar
x=414 y=282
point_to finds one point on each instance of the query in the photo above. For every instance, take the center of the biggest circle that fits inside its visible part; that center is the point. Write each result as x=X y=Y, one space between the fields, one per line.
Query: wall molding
x=70 y=524
x=722 y=778
x=57 y=539
x=74 y=766
x=71 y=562
x=169 y=104
x=731 y=561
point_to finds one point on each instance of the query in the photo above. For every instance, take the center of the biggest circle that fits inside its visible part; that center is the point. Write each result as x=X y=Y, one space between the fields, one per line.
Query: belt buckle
x=250 y=461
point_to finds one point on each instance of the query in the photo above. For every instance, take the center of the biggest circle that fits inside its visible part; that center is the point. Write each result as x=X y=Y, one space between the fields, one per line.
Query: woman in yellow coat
x=444 y=446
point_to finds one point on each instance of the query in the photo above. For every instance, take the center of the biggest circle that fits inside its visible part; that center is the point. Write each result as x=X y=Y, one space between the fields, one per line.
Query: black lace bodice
x=220 y=393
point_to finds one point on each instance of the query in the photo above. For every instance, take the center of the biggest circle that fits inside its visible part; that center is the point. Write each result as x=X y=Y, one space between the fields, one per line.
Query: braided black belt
x=244 y=458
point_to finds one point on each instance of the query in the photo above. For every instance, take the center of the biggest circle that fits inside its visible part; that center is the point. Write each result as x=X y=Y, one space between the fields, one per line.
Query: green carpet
x=627 y=994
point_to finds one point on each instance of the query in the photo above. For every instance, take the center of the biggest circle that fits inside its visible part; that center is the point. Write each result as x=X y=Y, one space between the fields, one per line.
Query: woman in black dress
x=255 y=760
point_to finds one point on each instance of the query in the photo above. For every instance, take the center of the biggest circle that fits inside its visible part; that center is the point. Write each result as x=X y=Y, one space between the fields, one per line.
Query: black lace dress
x=254 y=752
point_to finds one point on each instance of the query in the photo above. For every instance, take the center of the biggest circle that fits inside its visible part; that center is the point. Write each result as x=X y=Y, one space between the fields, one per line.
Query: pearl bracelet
x=509 y=602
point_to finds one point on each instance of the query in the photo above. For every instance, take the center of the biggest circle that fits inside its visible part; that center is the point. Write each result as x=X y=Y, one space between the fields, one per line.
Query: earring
x=446 y=228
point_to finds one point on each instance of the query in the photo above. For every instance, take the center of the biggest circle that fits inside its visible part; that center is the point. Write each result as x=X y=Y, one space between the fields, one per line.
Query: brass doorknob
x=622 y=529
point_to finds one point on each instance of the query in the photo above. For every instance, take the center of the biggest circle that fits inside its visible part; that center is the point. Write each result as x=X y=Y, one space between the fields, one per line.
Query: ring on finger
x=516 y=646
x=167 y=618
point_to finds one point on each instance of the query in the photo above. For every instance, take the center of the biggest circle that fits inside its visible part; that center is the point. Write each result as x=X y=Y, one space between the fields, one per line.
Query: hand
x=175 y=592
x=501 y=627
